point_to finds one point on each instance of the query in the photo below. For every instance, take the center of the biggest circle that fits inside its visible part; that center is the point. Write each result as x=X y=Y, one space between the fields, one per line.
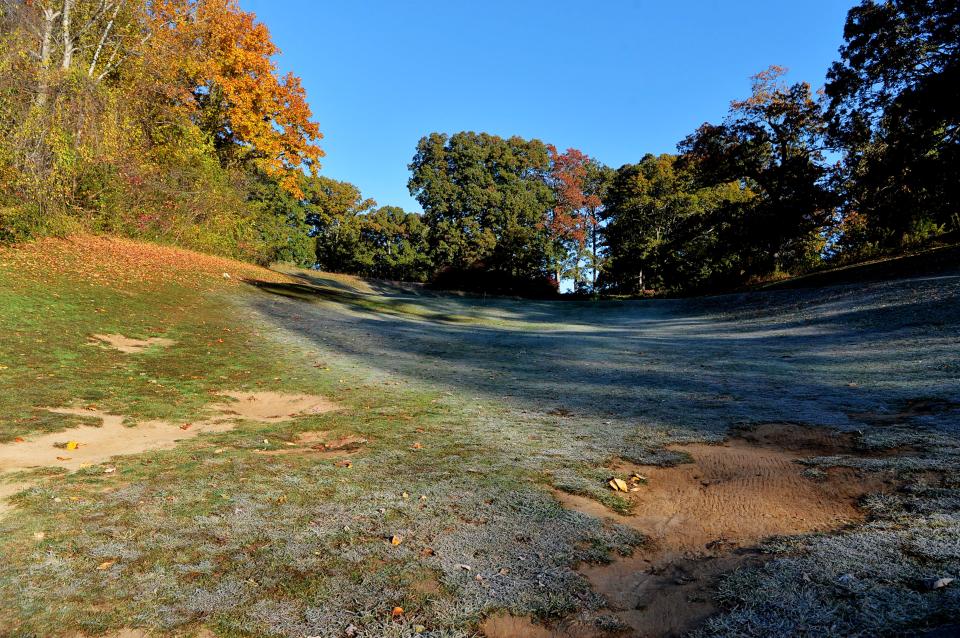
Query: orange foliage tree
x=221 y=60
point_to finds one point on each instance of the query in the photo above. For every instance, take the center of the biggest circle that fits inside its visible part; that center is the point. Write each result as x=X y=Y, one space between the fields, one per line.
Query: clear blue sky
x=613 y=78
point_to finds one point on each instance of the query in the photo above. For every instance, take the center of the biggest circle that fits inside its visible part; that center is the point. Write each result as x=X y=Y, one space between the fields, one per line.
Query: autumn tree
x=573 y=224
x=158 y=118
x=225 y=64
x=893 y=111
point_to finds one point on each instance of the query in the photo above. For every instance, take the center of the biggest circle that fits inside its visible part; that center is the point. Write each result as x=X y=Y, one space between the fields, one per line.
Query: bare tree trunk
x=593 y=250
x=67 y=35
x=103 y=38
x=46 y=42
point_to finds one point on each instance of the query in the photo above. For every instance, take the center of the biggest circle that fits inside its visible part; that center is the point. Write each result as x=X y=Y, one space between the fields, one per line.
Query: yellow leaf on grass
x=395 y=540
x=72 y=445
x=105 y=565
x=618 y=485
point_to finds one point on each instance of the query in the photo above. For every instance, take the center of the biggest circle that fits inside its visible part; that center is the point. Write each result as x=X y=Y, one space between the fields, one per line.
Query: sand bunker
x=272 y=407
x=730 y=497
x=132 y=346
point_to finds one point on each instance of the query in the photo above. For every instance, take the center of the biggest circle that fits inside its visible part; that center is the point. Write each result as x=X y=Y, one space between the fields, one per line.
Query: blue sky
x=613 y=78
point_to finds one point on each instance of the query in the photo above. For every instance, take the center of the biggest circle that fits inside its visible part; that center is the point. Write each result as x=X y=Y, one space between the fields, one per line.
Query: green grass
x=215 y=534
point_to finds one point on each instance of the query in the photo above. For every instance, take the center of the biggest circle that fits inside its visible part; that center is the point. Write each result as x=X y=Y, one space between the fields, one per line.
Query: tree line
x=168 y=119
x=790 y=180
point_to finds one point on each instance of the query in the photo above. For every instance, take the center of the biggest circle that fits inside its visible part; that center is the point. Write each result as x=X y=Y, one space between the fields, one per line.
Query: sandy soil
x=132 y=346
x=700 y=518
x=90 y=444
x=272 y=407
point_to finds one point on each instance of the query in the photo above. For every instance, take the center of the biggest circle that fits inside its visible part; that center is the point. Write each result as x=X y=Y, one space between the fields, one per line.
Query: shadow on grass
x=809 y=356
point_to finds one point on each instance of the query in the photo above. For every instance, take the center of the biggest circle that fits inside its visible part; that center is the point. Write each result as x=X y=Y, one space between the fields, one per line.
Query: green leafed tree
x=654 y=207
x=394 y=245
x=772 y=144
x=334 y=209
x=894 y=98
x=485 y=200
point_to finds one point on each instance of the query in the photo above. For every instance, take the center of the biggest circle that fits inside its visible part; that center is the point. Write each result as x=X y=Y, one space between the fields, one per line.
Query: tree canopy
x=170 y=119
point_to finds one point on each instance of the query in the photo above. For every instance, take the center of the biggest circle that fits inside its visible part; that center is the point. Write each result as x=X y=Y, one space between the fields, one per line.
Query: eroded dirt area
x=272 y=407
x=321 y=445
x=88 y=445
x=131 y=346
x=702 y=518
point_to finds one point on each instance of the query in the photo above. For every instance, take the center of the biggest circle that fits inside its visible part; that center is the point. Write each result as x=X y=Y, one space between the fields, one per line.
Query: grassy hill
x=356 y=458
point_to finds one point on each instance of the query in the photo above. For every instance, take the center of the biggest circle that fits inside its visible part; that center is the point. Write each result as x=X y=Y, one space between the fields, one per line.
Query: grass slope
x=474 y=409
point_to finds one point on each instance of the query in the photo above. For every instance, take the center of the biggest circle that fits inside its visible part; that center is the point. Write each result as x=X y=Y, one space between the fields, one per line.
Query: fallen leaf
x=395 y=540
x=186 y=426
x=63 y=458
x=618 y=485
x=464 y=567
x=397 y=612
x=19 y=439
x=427 y=551
x=109 y=470
x=105 y=565
x=417 y=446
x=344 y=463
x=72 y=445
x=405 y=495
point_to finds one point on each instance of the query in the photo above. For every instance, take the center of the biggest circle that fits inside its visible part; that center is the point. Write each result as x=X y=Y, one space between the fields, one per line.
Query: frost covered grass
x=474 y=410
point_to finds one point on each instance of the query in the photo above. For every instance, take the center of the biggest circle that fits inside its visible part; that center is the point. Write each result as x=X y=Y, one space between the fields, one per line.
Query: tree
x=151 y=117
x=772 y=144
x=484 y=200
x=573 y=223
x=395 y=246
x=653 y=206
x=893 y=111
x=225 y=61
x=334 y=209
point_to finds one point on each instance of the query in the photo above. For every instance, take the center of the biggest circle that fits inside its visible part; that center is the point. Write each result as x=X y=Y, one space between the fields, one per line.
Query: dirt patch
x=272 y=407
x=796 y=437
x=90 y=444
x=96 y=444
x=132 y=346
x=321 y=445
x=699 y=517
x=505 y=625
